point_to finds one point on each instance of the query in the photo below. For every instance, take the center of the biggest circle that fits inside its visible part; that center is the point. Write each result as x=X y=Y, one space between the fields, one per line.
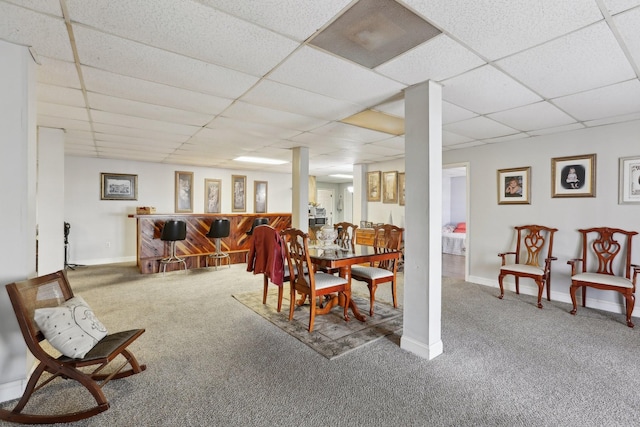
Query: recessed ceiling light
x=260 y=160
x=341 y=175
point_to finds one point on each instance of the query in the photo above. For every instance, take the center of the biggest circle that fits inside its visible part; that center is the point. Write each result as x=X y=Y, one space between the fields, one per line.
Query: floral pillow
x=448 y=228
x=71 y=328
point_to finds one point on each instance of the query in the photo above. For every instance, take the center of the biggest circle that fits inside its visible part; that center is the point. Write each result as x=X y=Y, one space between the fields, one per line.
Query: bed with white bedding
x=454 y=237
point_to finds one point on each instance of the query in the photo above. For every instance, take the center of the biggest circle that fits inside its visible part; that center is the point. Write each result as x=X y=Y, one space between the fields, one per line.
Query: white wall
x=100 y=230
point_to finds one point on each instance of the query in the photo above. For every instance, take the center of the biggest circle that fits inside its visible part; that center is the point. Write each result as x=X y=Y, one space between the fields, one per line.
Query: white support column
x=423 y=214
x=359 y=193
x=18 y=212
x=300 y=196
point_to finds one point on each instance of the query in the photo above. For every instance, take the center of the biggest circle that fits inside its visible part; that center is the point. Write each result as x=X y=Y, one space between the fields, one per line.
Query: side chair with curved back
x=602 y=269
x=387 y=238
x=346 y=239
x=535 y=240
x=306 y=281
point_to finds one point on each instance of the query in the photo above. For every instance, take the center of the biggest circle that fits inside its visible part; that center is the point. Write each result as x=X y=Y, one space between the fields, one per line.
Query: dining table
x=342 y=258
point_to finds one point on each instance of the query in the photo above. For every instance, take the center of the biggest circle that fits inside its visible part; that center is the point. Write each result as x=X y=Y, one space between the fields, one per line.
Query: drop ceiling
x=198 y=83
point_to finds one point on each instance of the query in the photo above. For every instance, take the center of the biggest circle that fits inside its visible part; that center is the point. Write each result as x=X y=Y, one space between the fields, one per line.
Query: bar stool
x=219 y=228
x=257 y=222
x=173 y=231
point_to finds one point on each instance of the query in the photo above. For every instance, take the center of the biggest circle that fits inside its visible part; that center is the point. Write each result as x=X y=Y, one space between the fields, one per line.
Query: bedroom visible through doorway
x=454 y=221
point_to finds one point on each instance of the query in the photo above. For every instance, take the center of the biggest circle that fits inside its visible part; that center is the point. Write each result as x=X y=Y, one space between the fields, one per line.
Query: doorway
x=326 y=201
x=455 y=213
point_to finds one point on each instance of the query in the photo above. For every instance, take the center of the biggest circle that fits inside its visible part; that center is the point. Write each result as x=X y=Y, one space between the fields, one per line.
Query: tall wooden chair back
x=346 y=234
x=308 y=283
x=387 y=238
x=605 y=263
x=531 y=259
x=51 y=291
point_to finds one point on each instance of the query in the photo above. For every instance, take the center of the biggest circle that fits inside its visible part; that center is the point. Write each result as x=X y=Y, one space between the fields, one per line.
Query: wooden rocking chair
x=50 y=291
x=600 y=268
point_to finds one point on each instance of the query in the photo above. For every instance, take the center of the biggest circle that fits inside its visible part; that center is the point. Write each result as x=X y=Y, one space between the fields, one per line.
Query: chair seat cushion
x=522 y=268
x=71 y=328
x=369 y=272
x=324 y=280
x=603 y=279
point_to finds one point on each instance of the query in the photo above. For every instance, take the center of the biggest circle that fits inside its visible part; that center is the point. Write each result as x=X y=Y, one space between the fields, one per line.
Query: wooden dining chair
x=533 y=241
x=52 y=295
x=387 y=238
x=307 y=282
x=600 y=267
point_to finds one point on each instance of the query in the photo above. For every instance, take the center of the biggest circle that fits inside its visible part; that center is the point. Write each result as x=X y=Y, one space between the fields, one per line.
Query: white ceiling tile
x=128 y=154
x=437 y=59
x=479 y=128
x=230 y=136
x=394 y=108
x=583 y=60
x=282 y=97
x=339 y=79
x=58 y=73
x=119 y=129
x=313 y=139
x=617 y=6
x=350 y=132
x=104 y=82
x=115 y=145
x=49 y=7
x=188 y=28
x=450 y=138
x=499 y=28
x=258 y=114
x=63 y=111
x=60 y=95
x=133 y=59
x=48 y=37
x=506 y=138
x=486 y=90
x=628 y=25
x=615 y=100
x=469 y=144
x=540 y=115
x=298 y=19
x=559 y=129
x=57 y=122
x=612 y=120
x=151 y=143
x=141 y=123
x=149 y=111
x=261 y=131
x=452 y=113
x=396 y=142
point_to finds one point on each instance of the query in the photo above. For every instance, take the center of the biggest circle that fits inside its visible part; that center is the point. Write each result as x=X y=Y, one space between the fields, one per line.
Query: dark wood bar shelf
x=197 y=246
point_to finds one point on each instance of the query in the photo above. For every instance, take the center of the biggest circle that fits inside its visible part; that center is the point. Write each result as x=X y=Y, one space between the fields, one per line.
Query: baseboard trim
x=421 y=349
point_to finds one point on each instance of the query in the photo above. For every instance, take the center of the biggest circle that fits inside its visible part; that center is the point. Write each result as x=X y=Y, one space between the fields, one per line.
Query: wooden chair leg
x=265 y=289
x=540 y=284
x=630 y=302
x=280 y=298
x=500 y=277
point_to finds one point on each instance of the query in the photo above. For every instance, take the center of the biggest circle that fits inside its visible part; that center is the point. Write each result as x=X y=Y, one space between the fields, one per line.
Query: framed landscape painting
x=390 y=187
x=118 y=186
x=373 y=186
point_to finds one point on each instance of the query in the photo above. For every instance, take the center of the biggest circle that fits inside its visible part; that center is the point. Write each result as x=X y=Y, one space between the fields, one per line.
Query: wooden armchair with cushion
x=601 y=268
x=534 y=240
x=307 y=282
x=43 y=308
x=387 y=238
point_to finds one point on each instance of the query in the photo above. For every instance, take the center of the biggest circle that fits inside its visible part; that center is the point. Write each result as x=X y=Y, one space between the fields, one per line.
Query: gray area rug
x=332 y=336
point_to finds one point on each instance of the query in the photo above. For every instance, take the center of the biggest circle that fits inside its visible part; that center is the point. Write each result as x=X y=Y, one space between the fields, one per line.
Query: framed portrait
x=390 y=187
x=514 y=186
x=118 y=186
x=573 y=176
x=401 y=186
x=238 y=193
x=373 y=186
x=260 y=196
x=212 y=193
x=629 y=186
x=184 y=192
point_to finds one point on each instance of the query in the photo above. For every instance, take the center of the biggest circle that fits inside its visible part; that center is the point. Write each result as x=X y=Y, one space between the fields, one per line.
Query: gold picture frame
x=514 y=186
x=573 y=176
x=238 y=193
x=184 y=192
x=212 y=195
x=260 y=196
x=401 y=188
x=390 y=187
x=118 y=186
x=373 y=186
x=629 y=185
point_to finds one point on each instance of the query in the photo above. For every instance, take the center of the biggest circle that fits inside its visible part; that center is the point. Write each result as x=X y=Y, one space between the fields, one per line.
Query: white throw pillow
x=71 y=328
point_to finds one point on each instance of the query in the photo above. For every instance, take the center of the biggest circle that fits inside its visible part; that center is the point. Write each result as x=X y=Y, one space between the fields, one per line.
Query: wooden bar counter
x=197 y=246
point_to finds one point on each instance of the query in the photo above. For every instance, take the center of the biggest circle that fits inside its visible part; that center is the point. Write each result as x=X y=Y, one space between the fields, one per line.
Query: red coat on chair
x=265 y=254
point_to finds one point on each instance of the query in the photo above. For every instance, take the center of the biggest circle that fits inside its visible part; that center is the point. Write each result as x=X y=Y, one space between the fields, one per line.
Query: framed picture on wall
x=401 y=186
x=212 y=195
x=260 y=196
x=238 y=193
x=629 y=186
x=373 y=186
x=118 y=186
x=390 y=187
x=573 y=176
x=514 y=186
x=184 y=192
